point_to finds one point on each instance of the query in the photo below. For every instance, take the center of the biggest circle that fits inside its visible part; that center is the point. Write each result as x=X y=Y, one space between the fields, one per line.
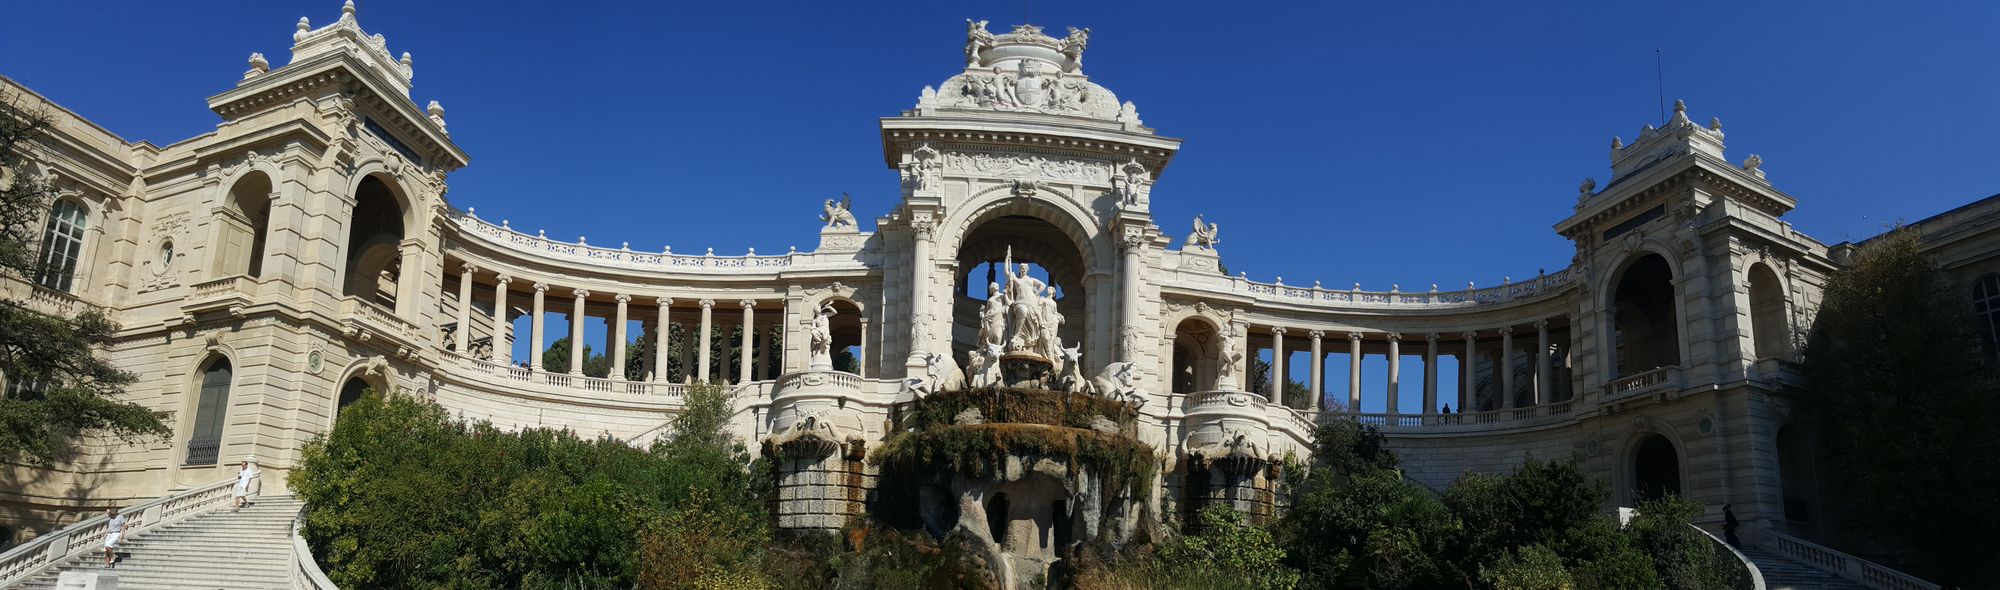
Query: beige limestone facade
x=268 y=271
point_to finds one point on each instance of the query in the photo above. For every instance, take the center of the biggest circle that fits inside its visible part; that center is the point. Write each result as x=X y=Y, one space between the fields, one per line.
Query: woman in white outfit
x=113 y=531
x=244 y=477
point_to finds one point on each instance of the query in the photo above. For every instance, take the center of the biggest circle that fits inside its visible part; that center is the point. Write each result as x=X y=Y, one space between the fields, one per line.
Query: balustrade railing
x=667 y=260
x=1655 y=380
x=565 y=380
x=28 y=558
x=1509 y=418
x=804 y=379
x=354 y=308
x=1781 y=371
x=52 y=301
x=1859 y=570
x=306 y=574
x=1541 y=284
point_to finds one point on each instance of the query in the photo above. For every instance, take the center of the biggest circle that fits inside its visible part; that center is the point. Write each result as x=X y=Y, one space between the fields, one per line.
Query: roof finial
x=1715 y=123
x=437 y=115
x=304 y=26
x=258 y=66
x=347 y=9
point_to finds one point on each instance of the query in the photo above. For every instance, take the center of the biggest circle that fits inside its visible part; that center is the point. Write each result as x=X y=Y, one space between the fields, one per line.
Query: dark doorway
x=1657 y=469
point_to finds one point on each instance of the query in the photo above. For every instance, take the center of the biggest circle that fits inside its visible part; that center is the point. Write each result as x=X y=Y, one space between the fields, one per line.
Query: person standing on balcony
x=244 y=479
x=113 y=532
x=1729 y=527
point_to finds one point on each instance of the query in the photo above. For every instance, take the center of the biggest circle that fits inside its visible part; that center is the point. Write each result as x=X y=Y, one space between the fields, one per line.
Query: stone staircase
x=234 y=550
x=1782 y=573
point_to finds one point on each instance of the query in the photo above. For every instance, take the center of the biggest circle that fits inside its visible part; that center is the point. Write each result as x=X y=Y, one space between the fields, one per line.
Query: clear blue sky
x=1380 y=142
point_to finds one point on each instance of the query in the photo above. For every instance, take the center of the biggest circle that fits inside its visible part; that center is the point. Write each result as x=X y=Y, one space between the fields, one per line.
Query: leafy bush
x=1685 y=558
x=1531 y=568
x=1027 y=406
x=1350 y=447
x=402 y=496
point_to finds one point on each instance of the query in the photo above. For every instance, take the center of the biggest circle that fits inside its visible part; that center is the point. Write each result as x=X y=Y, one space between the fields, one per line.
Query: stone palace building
x=266 y=273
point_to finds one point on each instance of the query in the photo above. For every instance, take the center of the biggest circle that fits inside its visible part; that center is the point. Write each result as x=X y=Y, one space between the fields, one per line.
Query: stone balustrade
x=1853 y=568
x=488 y=370
x=363 y=317
x=306 y=573
x=51 y=301
x=624 y=257
x=1543 y=284
x=1656 y=380
x=837 y=381
x=1522 y=417
x=87 y=536
x=1779 y=371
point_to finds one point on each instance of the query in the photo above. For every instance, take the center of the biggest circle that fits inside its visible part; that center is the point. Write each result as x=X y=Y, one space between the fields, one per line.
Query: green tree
x=1904 y=401
x=58 y=388
x=1531 y=568
x=556 y=359
x=1350 y=447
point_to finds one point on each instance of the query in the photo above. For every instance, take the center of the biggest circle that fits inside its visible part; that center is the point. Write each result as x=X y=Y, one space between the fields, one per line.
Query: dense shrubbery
x=1357 y=523
x=402 y=496
x=1026 y=406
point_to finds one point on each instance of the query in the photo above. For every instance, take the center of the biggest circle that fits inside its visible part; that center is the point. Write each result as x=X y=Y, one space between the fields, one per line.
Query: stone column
x=660 y=340
x=920 y=287
x=1354 y=372
x=707 y=322
x=535 y=353
x=1541 y=362
x=1318 y=368
x=576 y=319
x=412 y=253
x=687 y=354
x=464 y=336
x=861 y=360
x=749 y=330
x=1507 y=366
x=499 y=318
x=1395 y=374
x=1277 y=392
x=1468 y=368
x=1430 y=373
x=1128 y=297
x=618 y=338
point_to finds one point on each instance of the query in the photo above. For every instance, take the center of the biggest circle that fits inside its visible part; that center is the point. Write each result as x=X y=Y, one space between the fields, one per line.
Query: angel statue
x=1204 y=233
x=822 y=338
x=1225 y=372
x=838 y=213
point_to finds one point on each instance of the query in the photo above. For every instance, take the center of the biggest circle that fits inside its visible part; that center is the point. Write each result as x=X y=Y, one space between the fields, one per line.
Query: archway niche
x=1048 y=254
x=374 y=244
x=1767 y=314
x=849 y=347
x=1656 y=469
x=1194 y=356
x=1646 y=329
x=351 y=392
x=244 y=223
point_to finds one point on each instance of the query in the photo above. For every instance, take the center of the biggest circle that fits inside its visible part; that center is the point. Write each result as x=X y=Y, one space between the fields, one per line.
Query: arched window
x=1771 y=339
x=1656 y=469
x=62 y=246
x=350 y=393
x=245 y=219
x=1986 y=305
x=374 y=239
x=1645 y=329
x=211 y=407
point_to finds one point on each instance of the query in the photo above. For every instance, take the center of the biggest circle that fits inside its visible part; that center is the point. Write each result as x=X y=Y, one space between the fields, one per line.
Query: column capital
x=1470 y=334
x=1542 y=324
x=924 y=227
x=748 y=303
x=541 y=287
x=1278 y=330
x=623 y=298
x=581 y=293
x=468 y=268
x=1431 y=337
x=503 y=279
x=707 y=303
x=664 y=302
x=1317 y=334
x=1354 y=336
x=1506 y=330
x=1395 y=336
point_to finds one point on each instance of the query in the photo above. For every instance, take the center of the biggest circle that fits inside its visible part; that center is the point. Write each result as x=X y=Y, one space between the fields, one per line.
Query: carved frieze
x=1031 y=167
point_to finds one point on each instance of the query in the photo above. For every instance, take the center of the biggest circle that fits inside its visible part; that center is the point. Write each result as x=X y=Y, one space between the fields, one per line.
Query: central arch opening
x=1046 y=253
x=1645 y=328
x=1656 y=469
x=374 y=245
